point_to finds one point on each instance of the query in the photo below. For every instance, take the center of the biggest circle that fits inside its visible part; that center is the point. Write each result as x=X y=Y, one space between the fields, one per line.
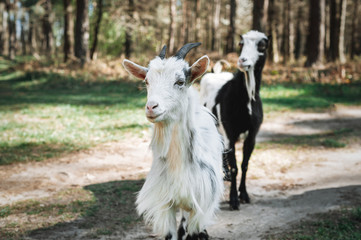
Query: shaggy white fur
x=186 y=172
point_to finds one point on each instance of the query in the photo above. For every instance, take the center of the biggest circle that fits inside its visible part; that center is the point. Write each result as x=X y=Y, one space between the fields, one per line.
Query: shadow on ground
x=112 y=213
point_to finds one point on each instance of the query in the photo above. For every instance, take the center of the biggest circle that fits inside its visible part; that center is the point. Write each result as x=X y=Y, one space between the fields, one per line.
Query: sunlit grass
x=309 y=97
x=51 y=114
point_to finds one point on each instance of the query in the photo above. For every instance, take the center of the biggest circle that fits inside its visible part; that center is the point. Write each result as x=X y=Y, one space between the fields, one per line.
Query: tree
x=354 y=43
x=47 y=27
x=68 y=30
x=10 y=8
x=259 y=14
x=172 y=25
x=273 y=52
x=316 y=35
x=215 y=25
x=231 y=27
x=2 y=29
x=128 y=32
x=341 y=42
x=185 y=17
x=96 y=28
x=82 y=31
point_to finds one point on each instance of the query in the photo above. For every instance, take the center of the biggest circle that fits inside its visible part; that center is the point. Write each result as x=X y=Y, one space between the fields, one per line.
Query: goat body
x=236 y=102
x=187 y=151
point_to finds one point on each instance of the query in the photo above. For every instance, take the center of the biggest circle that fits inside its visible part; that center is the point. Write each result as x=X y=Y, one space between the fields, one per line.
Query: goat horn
x=162 y=53
x=181 y=54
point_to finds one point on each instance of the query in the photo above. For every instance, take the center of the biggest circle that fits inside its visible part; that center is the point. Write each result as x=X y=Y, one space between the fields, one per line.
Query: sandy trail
x=285 y=186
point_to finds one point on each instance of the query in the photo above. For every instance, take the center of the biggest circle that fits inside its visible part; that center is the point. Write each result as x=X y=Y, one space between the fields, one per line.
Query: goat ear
x=199 y=67
x=135 y=69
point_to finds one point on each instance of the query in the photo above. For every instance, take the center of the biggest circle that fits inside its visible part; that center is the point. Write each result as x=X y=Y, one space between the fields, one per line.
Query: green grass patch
x=335 y=225
x=310 y=97
x=44 y=115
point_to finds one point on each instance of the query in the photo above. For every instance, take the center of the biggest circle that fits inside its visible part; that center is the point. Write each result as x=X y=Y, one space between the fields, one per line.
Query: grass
x=335 y=225
x=100 y=209
x=44 y=115
x=309 y=97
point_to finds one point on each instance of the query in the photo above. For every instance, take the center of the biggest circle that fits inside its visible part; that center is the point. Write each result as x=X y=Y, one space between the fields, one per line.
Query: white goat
x=187 y=149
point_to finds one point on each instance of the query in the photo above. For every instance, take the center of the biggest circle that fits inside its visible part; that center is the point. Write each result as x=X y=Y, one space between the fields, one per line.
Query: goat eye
x=180 y=83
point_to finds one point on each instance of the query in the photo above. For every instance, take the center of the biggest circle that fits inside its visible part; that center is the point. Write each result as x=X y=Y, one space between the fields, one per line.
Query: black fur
x=233 y=99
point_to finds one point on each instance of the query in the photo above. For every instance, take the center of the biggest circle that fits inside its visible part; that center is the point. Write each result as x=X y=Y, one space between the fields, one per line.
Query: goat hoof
x=234 y=204
x=244 y=197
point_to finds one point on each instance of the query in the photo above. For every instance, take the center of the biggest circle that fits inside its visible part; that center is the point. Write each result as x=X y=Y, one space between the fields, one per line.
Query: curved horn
x=162 y=53
x=181 y=54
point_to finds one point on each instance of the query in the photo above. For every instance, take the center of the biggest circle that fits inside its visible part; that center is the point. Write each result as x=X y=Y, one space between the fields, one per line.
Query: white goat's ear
x=135 y=69
x=199 y=67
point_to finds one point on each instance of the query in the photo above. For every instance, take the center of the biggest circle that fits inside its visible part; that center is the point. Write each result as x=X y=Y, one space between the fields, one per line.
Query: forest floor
x=305 y=163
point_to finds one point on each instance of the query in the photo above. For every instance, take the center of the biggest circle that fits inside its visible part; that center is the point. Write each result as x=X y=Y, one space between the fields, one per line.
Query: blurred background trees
x=304 y=32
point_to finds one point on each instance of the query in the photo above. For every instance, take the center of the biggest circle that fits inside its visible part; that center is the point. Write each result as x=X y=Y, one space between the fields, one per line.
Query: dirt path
x=285 y=185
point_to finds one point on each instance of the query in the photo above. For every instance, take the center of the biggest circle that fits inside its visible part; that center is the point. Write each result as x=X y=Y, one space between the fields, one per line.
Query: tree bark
x=68 y=30
x=172 y=25
x=47 y=28
x=300 y=32
x=22 y=37
x=185 y=16
x=341 y=42
x=96 y=28
x=215 y=25
x=128 y=33
x=11 y=28
x=231 y=27
x=354 y=43
x=273 y=52
x=82 y=31
x=334 y=30
x=2 y=29
x=259 y=12
x=315 y=40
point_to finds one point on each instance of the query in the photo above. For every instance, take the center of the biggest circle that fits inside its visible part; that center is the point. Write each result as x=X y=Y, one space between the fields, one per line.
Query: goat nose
x=244 y=59
x=152 y=105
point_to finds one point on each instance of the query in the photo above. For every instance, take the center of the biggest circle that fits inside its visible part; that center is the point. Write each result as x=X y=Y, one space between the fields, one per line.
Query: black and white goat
x=187 y=148
x=235 y=100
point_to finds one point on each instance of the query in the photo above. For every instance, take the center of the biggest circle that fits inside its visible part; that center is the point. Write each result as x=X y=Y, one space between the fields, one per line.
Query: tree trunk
x=289 y=33
x=215 y=25
x=185 y=16
x=273 y=52
x=68 y=30
x=128 y=33
x=300 y=32
x=231 y=27
x=354 y=43
x=315 y=40
x=172 y=25
x=47 y=28
x=2 y=28
x=259 y=13
x=82 y=31
x=341 y=42
x=96 y=28
x=22 y=37
x=334 y=30
x=11 y=28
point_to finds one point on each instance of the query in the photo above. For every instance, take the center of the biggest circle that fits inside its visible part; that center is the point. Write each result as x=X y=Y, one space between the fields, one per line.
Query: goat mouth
x=245 y=67
x=153 y=118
